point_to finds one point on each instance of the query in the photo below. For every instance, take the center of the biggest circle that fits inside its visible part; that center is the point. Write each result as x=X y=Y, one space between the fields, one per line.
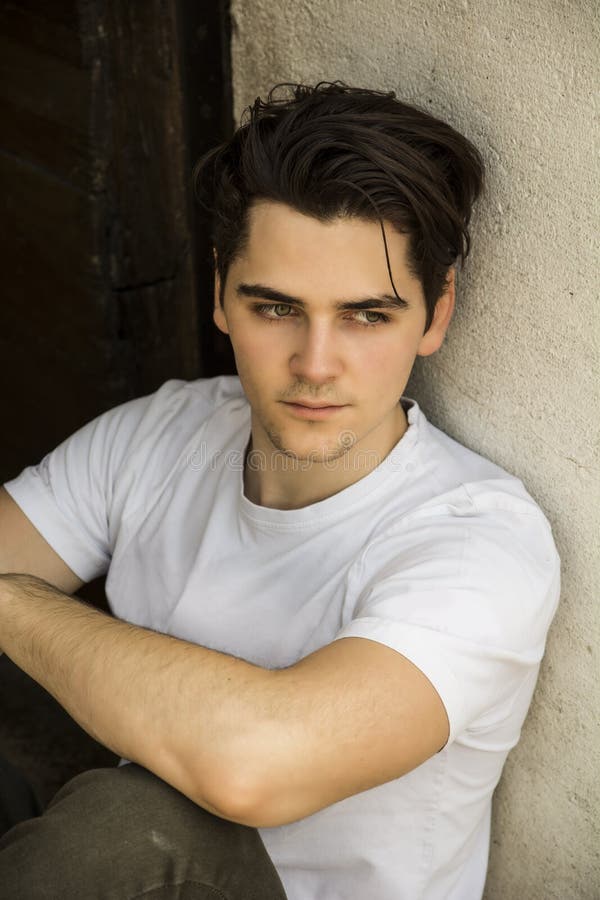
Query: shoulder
x=460 y=575
x=466 y=587
x=444 y=462
x=478 y=560
x=196 y=399
x=175 y=412
x=168 y=427
x=461 y=545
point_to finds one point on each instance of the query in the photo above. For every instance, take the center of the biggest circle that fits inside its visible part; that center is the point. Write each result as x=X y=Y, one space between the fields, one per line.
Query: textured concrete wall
x=519 y=376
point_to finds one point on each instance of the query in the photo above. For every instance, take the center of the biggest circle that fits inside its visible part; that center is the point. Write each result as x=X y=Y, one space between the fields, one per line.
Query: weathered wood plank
x=49 y=28
x=46 y=106
x=57 y=12
x=48 y=398
x=204 y=49
x=151 y=232
x=55 y=237
x=154 y=320
x=98 y=302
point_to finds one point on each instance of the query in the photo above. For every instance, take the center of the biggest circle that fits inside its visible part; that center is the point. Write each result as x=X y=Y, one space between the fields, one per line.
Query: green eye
x=271 y=311
x=370 y=317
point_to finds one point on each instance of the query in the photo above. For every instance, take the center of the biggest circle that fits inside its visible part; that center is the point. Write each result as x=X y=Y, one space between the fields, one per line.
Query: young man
x=329 y=616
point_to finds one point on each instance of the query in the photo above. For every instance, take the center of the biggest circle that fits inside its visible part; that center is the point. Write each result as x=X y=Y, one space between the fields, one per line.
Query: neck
x=293 y=484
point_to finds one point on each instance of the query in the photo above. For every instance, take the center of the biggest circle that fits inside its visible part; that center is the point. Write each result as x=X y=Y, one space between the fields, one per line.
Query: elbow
x=226 y=785
x=233 y=796
x=225 y=790
x=253 y=779
x=264 y=802
x=237 y=799
x=252 y=810
x=250 y=795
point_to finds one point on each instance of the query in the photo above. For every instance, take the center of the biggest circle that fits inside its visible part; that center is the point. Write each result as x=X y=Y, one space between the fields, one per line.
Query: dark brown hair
x=334 y=150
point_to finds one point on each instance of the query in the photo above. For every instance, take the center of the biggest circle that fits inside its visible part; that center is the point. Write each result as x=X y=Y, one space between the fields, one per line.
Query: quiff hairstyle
x=333 y=151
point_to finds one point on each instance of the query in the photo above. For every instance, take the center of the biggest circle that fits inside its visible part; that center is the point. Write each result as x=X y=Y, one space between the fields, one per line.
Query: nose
x=316 y=358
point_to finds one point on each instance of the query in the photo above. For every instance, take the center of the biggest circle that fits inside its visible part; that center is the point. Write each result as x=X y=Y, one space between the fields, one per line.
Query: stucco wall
x=519 y=376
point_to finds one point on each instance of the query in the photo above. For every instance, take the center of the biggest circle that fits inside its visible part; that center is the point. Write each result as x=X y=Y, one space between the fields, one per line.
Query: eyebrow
x=379 y=301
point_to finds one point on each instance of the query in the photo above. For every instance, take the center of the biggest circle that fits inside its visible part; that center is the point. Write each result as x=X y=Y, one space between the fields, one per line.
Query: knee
x=113 y=827
x=114 y=832
x=128 y=806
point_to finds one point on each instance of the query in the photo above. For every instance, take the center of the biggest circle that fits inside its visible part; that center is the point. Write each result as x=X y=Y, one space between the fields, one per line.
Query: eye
x=281 y=309
x=379 y=318
x=274 y=310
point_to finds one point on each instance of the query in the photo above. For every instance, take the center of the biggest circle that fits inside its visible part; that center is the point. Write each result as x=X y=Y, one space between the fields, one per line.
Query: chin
x=305 y=451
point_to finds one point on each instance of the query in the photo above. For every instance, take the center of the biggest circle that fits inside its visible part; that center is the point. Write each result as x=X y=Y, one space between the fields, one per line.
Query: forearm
x=175 y=708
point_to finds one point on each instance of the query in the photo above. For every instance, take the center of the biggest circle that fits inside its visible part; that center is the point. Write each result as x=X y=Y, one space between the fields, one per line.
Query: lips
x=304 y=411
x=314 y=405
x=318 y=406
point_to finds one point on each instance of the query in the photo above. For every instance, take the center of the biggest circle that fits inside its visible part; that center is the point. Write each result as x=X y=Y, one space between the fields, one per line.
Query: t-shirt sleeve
x=69 y=495
x=468 y=599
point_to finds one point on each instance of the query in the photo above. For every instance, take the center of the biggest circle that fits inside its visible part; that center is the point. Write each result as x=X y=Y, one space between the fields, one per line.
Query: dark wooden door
x=105 y=281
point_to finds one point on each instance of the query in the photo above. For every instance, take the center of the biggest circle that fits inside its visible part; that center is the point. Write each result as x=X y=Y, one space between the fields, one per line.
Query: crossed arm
x=258 y=746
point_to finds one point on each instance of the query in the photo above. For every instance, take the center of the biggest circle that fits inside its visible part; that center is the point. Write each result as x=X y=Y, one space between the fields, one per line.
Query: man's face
x=313 y=347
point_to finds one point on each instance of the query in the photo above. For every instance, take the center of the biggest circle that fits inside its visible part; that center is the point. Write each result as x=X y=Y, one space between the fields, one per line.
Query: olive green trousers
x=122 y=833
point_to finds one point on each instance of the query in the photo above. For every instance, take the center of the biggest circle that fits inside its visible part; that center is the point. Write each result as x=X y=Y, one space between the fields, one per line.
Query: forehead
x=299 y=253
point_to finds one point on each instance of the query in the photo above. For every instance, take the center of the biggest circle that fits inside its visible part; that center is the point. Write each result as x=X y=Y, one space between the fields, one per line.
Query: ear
x=218 y=311
x=433 y=338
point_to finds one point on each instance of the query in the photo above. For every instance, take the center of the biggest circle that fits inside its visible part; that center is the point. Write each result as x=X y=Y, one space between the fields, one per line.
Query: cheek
x=255 y=345
x=389 y=359
x=258 y=357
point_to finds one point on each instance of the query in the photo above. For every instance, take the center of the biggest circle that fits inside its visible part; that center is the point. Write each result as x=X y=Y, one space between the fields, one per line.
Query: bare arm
x=23 y=549
x=169 y=705
x=253 y=745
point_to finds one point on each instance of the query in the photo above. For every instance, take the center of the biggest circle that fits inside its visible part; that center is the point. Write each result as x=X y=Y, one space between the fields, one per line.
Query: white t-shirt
x=437 y=553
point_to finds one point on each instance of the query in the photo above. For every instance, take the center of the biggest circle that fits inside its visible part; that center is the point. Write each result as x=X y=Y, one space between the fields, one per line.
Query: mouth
x=313 y=410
